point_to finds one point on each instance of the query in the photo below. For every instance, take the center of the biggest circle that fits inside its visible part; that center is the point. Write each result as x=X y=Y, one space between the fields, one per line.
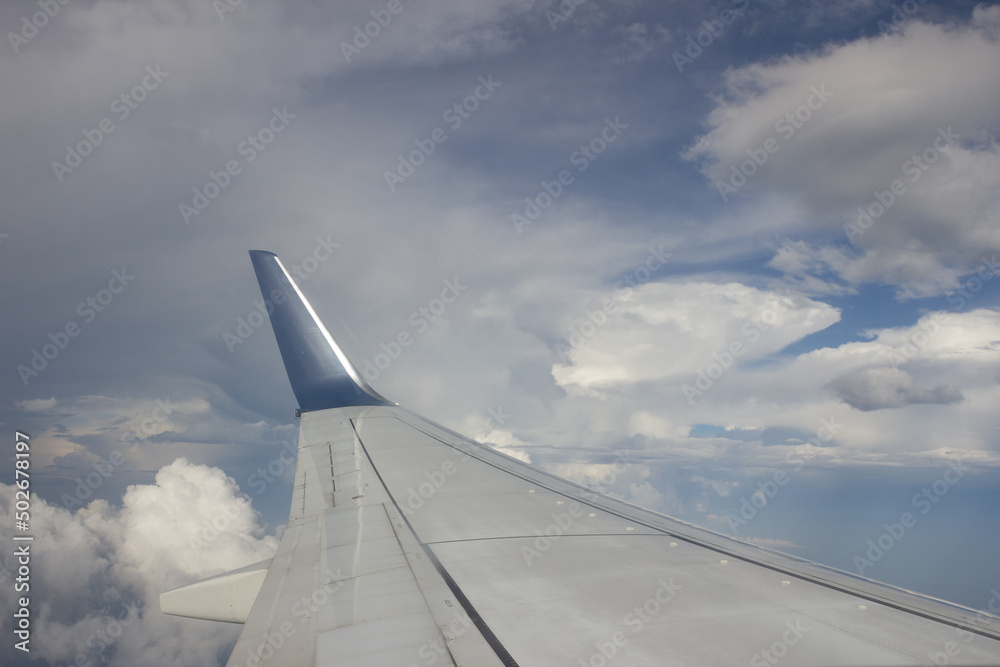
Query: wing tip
x=321 y=374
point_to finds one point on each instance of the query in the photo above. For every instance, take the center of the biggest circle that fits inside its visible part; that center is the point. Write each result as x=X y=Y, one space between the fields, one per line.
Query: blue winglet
x=321 y=375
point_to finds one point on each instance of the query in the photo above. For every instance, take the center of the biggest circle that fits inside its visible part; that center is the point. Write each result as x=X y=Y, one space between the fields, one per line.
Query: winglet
x=321 y=375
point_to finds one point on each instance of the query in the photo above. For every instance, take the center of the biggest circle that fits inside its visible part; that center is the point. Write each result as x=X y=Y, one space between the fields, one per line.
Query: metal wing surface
x=408 y=544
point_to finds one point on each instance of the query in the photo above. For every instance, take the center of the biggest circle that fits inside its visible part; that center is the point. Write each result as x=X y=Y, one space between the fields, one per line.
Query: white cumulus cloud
x=96 y=574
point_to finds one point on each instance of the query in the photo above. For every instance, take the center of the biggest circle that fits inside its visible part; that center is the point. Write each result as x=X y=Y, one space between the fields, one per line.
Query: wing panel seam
x=484 y=629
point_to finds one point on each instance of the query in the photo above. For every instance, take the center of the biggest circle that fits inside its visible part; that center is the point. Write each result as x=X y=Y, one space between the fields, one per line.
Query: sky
x=731 y=261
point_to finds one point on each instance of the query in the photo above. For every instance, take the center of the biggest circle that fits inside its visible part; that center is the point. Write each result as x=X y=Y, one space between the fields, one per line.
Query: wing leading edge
x=408 y=544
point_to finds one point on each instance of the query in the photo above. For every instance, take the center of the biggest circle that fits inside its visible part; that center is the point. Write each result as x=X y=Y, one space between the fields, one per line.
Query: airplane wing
x=408 y=544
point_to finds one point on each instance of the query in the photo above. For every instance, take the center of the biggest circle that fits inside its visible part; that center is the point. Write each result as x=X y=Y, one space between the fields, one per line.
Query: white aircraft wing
x=408 y=544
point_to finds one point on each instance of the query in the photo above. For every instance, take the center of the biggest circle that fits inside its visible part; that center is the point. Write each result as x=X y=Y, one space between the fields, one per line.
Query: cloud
x=669 y=331
x=96 y=446
x=505 y=442
x=655 y=425
x=645 y=495
x=937 y=371
x=773 y=542
x=638 y=42
x=38 y=404
x=877 y=388
x=938 y=341
x=722 y=488
x=97 y=573
x=847 y=122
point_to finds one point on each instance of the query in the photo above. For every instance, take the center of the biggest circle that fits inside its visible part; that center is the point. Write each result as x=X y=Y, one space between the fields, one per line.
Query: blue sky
x=759 y=225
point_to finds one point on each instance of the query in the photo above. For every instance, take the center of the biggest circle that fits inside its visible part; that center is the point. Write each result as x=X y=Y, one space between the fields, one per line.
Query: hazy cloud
x=38 y=404
x=877 y=388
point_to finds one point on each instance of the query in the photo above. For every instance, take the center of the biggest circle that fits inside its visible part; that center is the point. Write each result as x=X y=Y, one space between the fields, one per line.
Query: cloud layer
x=97 y=573
x=833 y=130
